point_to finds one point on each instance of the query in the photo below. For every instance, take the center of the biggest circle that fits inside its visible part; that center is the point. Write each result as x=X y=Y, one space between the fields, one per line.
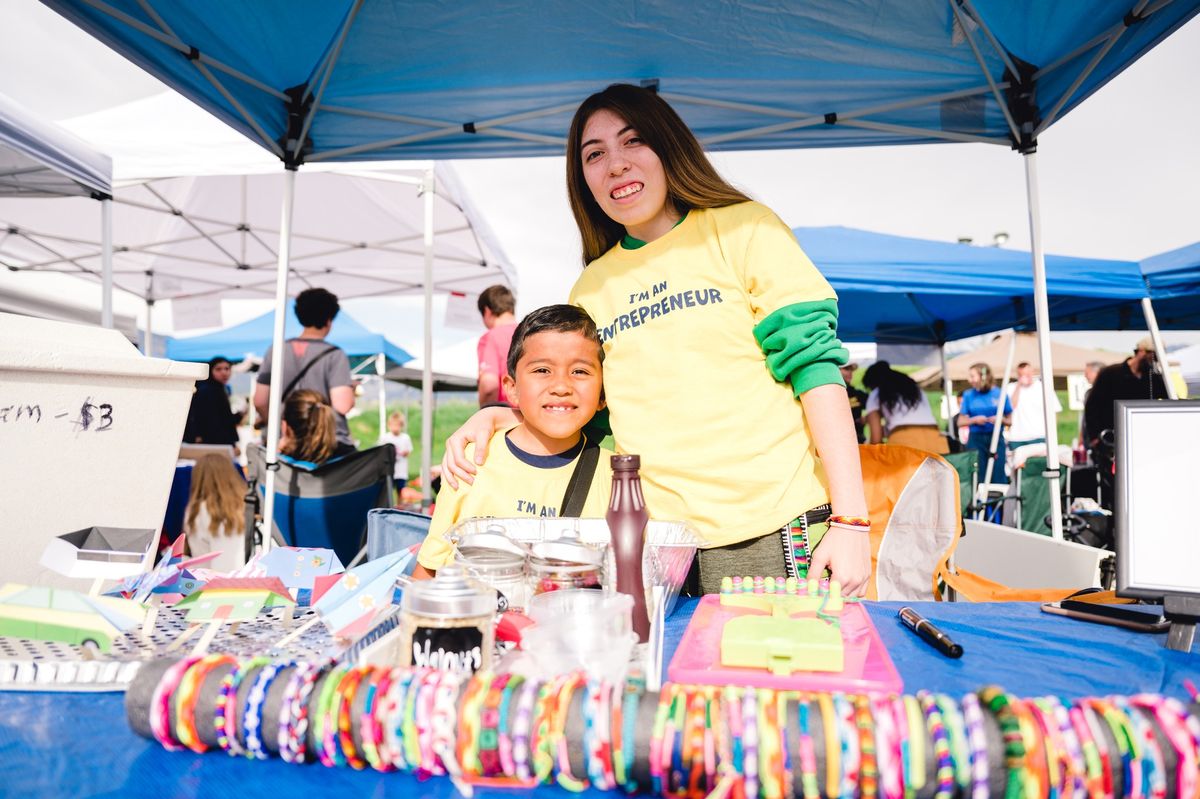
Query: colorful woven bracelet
x=188 y=695
x=506 y=724
x=998 y=703
x=293 y=742
x=370 y=728
x=522 y=728
x=564 y=776
x=321 y=721
x=252 y=718
x=952 y=716
x=226 y=716
x=160 y=703
x=941 y=746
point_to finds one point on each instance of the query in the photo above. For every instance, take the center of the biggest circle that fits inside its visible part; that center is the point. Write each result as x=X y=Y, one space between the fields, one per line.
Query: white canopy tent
x=39 y=159
x=366 y=230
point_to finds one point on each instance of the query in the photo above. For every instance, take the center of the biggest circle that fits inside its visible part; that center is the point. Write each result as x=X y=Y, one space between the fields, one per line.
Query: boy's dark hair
x=497 y=299
x=556 y=318
x=217 y=361
x=316 y=307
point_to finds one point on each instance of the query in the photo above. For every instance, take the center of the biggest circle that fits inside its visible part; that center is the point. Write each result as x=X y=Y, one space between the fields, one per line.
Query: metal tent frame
x=1014 y=89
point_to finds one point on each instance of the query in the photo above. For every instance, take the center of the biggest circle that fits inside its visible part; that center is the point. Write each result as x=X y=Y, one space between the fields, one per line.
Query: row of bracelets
x=740 y=743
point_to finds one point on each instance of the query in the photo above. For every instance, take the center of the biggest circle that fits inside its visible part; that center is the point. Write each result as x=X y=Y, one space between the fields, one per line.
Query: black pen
x=922 y=627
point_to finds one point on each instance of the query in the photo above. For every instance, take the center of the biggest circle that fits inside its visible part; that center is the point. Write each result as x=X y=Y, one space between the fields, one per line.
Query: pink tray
x=868 y=668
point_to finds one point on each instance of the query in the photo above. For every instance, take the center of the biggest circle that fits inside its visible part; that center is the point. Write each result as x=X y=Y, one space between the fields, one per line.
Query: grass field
x=448 y=416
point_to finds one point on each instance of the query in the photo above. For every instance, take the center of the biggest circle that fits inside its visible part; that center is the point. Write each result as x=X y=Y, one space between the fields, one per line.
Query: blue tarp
x=253 y=338
x=898 y=289
x=501 y=78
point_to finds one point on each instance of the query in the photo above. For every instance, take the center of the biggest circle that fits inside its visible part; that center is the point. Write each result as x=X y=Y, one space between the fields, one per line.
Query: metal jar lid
x=490 y=561
x=492 y=538
x=449 y=595
x=567 y=551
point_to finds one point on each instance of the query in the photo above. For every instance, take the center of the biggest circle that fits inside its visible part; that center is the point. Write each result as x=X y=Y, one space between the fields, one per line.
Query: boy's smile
x=557 y=387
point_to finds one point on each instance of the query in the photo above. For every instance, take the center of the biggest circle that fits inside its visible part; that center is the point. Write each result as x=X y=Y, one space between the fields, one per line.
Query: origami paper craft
x=100 y=553
x=230 y=599
x=348 y=603
x=171 y=580
x=58 y=614
x=299 y=567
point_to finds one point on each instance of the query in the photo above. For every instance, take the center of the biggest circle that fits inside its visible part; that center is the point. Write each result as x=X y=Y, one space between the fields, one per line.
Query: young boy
x=555 y=379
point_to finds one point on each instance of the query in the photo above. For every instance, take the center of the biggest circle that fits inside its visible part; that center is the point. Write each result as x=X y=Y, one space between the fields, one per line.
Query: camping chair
x=320 y=506
x=1032 y=492
x=966 y=463
x=913 y=502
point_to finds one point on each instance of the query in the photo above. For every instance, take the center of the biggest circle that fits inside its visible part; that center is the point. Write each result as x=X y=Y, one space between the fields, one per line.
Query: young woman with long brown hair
x=721 y=354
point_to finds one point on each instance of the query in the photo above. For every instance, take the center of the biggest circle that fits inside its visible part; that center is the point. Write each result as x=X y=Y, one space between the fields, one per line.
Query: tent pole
x=106 y=253
x=999 y=425
x=947 y=391
x=380 y=368
x=1159 y=348
x=275 y=394
x=148 y=338
x=1042 y=311
x=427 y=367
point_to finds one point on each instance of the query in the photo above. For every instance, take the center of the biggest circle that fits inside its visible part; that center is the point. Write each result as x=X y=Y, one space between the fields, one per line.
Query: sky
x=1119 y=175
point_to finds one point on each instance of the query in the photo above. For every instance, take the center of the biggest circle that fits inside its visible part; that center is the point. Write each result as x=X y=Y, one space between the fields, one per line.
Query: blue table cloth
x=56 y=745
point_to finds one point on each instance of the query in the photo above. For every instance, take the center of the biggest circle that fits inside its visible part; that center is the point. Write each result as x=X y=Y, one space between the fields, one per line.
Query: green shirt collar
x=630 y=243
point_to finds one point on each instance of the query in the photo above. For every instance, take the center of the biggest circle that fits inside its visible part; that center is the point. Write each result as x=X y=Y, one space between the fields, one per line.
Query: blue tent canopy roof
x=1173 y=274
x=899 y=289
x=501 y=78
x=254 y=336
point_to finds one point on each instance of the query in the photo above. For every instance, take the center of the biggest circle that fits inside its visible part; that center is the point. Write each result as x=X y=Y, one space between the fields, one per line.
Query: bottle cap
x=449 y=595
x=625 y=463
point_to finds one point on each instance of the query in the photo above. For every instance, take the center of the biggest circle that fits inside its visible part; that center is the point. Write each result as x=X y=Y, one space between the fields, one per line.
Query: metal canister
x=446 y=622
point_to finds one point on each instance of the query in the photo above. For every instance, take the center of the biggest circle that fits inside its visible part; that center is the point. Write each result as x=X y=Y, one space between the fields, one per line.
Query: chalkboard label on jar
x=453 y=649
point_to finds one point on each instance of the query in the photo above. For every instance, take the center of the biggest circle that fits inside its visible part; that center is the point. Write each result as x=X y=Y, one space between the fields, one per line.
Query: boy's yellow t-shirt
x=512 y=484
x=723 y=444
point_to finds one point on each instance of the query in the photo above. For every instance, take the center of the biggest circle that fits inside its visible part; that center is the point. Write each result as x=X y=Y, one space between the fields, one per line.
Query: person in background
x=311 y=362
x=980 y=412
x=1090 y=372
x=308 y=430
x=555 y=375
x=898 y=406
x=1136 y=377
x=210 y=419
x=403 y=445
x=215 y=518
x=1028 y=406
x=496 y=306
x=692 y=283
x=858 y=400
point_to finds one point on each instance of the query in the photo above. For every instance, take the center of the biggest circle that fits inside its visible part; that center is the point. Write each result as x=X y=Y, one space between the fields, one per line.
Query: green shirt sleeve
x=801 y=345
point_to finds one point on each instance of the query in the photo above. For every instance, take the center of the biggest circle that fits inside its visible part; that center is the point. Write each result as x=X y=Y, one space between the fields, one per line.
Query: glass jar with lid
x=447 y=623
x=499 y=569
x=564 y=563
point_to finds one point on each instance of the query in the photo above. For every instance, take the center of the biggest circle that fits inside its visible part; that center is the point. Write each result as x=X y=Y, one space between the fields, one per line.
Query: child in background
x=555 y=379
x=403 y=445
x=215 y=518
x=308 y=430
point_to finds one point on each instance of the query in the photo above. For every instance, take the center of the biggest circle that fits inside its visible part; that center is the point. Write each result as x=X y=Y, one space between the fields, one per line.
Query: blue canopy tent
x=896 y=289
x=331 y=80
x=252 y=337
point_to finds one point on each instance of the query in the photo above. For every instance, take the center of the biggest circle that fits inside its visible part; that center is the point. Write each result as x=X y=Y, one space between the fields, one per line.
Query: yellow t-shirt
x=511 y=484
x=723 y=445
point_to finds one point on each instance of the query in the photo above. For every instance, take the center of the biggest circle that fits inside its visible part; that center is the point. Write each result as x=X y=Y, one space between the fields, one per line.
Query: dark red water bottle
x=627 y=517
